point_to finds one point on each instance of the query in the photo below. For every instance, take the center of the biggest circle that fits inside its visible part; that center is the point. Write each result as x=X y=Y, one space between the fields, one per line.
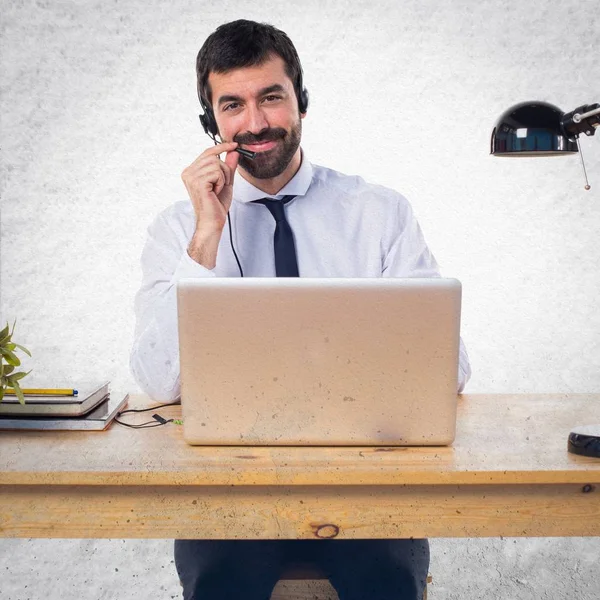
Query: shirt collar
x=244 y=191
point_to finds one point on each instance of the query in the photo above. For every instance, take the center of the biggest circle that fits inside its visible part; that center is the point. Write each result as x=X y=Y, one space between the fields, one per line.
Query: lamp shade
x=531 y=129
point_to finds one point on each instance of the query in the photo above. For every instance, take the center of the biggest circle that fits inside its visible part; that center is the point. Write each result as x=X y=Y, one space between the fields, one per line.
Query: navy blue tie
x=286 y=264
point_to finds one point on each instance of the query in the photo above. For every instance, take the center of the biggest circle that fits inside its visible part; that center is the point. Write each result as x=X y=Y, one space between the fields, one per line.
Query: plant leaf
x=23 y=349
x=16 y=376
x=19 y=393
x=4 y=332
x=6 y=369
x=10 y=358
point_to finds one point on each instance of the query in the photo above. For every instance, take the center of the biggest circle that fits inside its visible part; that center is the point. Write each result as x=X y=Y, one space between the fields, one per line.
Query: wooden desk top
x=501 y=439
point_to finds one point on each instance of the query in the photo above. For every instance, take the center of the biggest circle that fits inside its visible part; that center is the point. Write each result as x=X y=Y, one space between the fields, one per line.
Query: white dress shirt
x=343 y=227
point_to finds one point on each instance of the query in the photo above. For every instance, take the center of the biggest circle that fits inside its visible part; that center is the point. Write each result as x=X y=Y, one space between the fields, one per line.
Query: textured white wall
x=99 y=117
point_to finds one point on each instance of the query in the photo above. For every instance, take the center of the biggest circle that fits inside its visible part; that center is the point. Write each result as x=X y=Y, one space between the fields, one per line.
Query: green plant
x=8 y=361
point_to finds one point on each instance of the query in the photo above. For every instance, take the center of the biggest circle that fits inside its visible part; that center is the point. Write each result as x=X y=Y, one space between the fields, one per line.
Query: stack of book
x=90 y=407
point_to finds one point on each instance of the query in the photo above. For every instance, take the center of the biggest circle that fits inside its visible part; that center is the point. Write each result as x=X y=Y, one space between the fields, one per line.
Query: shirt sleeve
x=154 y=359
x=405 y=254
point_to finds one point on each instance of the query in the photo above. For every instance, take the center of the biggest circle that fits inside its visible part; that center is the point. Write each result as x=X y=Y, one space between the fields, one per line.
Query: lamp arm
x=584 y=119
x=578 y=118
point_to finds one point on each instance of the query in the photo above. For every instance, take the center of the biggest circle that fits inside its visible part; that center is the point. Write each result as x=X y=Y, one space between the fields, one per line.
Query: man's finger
x=231 y=160
x=220 y=148
x=227 y=172
x=211 y=155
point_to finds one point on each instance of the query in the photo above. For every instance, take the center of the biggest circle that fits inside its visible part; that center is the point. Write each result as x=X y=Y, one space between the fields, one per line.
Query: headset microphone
x=245 y=152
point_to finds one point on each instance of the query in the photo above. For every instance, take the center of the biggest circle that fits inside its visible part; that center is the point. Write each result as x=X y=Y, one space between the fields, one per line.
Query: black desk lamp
x=541 y=129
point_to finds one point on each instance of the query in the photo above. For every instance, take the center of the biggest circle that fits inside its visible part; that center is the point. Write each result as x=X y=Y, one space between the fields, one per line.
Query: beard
x=273 y=162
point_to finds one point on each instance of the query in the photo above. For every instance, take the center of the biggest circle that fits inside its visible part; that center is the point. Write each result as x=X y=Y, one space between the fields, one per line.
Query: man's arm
x=173 y=250
x=154 y=359
x=405 y=254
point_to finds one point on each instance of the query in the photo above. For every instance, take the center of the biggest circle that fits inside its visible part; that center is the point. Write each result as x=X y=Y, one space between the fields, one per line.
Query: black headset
x=209 y=123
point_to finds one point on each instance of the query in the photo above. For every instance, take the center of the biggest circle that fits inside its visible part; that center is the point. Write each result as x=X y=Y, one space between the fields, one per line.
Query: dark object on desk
x=158 y=420
x=96 y=420
x=88 y=397
x=585 y=440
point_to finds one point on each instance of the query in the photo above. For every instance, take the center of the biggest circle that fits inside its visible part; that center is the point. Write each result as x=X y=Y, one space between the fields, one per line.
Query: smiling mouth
x=260 y=146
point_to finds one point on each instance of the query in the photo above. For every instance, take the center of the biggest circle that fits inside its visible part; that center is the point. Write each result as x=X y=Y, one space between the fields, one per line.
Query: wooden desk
x=508 y=473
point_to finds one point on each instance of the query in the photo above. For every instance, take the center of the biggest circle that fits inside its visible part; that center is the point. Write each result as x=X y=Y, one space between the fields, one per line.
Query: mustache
x=266 y=135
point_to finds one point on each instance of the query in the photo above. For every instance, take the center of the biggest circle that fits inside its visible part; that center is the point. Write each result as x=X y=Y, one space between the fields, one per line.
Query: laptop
x=318 y=361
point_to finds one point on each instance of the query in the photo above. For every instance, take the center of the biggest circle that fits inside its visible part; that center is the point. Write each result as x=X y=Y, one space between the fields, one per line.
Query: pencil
x=43 y=392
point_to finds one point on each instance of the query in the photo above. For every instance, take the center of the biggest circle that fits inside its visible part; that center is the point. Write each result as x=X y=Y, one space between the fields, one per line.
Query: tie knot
x=276 y=206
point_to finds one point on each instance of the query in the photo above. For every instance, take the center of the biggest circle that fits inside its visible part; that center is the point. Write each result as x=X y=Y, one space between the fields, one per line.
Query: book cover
x=88 y=397
x=96 y=420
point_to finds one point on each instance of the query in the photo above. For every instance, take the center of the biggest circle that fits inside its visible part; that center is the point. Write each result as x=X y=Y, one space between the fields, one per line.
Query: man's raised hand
x=209 y=183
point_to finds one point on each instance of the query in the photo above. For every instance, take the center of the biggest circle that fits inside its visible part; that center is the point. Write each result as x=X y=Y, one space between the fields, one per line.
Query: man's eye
x=231 y=106
x=272 y=98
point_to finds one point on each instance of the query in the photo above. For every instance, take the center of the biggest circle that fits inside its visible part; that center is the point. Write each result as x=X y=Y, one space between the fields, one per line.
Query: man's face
x=257 y=107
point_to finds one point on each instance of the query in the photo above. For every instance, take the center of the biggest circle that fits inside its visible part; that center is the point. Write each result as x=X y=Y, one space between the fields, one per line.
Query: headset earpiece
x=208 y=120
x=303 y=100
x=301 y=91
x=204 y=123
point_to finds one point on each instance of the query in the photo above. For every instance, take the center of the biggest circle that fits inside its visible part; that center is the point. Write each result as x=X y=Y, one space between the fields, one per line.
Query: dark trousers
x=250 y=569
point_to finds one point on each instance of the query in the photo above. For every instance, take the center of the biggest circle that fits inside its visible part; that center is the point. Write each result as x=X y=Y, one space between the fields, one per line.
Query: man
x=327 y=224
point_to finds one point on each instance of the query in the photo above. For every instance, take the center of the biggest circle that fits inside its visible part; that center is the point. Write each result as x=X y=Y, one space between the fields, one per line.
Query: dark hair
x=244 y=44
